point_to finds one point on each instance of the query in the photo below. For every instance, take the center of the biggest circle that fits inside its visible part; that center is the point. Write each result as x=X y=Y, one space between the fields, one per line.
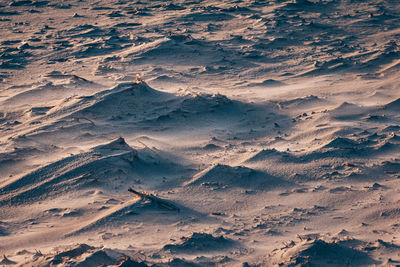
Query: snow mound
x=200 y=242
x=83 y=255
x=243 y=177
x=321 y=253
x=115 y=161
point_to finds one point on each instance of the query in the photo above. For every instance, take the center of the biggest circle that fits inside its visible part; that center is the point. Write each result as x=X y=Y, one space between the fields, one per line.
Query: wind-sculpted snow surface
x=69 y=174
x=199 y=133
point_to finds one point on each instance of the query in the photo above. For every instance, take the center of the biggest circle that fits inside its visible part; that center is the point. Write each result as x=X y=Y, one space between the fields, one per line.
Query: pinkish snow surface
x=272 y=129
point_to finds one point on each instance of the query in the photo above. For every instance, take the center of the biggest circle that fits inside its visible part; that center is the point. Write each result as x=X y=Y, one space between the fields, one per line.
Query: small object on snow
x=38 y=253
x=76 y=77
x=376 y=186
x=160 y=202
x=139 y=79
x=6 y=261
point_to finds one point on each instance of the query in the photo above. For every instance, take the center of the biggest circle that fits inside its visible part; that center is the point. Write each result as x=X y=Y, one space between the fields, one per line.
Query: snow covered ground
x=256 y=132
